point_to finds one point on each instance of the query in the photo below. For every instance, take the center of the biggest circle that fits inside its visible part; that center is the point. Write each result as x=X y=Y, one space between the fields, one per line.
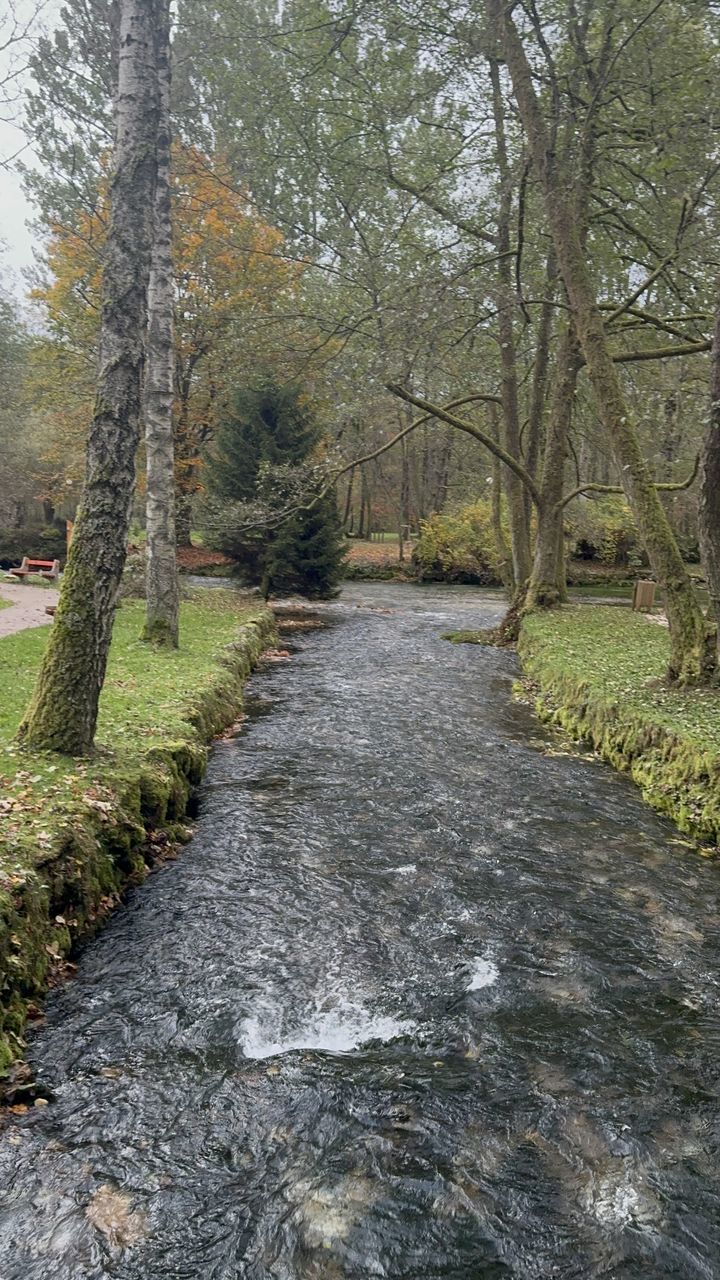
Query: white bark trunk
x=161 y=620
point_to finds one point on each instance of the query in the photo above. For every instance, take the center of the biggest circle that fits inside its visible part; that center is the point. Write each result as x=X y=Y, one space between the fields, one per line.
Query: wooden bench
x=49 y=569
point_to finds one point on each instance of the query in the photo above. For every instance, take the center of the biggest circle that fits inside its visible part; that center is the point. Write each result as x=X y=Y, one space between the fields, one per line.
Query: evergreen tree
x=272 y=426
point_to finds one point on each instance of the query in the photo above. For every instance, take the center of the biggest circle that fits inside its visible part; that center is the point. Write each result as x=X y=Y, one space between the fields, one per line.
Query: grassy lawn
x=599 y=672
x=148 y=699
x=623 y=657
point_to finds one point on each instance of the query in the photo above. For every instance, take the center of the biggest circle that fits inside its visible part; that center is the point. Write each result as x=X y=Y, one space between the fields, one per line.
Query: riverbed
x=428 y=995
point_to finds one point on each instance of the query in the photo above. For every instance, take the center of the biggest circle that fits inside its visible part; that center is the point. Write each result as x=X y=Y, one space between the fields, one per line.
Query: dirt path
x=28 y=606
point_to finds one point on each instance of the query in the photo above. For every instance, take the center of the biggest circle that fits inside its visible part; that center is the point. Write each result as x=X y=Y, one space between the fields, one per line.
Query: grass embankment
x=75 y=833
x=599 y=672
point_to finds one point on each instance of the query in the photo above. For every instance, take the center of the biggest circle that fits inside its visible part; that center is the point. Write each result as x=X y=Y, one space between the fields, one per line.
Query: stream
x=428 y=995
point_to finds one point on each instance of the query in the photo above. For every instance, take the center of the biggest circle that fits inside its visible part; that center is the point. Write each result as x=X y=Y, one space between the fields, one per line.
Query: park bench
x=49 y=569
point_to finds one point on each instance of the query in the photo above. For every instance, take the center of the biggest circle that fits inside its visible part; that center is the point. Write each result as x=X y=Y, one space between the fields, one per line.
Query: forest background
x=357 y=206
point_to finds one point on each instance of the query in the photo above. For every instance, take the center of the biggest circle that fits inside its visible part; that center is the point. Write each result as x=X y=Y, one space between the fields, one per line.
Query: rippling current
x=424 y=997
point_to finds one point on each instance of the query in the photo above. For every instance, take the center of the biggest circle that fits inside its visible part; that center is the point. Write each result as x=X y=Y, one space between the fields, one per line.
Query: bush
x=604 y=529
x=458 y=547
x=40 y=542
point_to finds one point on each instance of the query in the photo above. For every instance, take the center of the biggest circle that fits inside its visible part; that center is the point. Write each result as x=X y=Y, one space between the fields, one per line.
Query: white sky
x=15 y=208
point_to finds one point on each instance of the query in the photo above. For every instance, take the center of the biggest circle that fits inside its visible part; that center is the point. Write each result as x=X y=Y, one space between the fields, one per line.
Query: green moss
x=599 y=673
x=467 y=637
x=75 y=832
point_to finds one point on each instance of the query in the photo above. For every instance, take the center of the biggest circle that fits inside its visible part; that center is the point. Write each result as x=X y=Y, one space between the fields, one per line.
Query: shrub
x=40 y=542
x=458 y=546
x=604 y=529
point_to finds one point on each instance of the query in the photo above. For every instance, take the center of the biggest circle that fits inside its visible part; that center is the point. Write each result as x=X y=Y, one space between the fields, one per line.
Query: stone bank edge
x=46 y=911
x=676 y=776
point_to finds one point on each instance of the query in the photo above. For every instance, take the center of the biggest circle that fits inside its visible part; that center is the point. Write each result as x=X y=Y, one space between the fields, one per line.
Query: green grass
x=623 y=657
x=148 y=698
x=600 y=673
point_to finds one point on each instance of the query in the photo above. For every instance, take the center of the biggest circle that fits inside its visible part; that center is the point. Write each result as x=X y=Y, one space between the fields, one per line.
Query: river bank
x=423 y=996
x=74 y=834
x=598 y=673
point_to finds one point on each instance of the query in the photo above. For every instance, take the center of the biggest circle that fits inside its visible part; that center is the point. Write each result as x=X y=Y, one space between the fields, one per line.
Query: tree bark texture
x=502 y=551
x=709 y=514
x=62 y=714
x=546 y=588
x=536 y=415
x=162 y=606
x=518 y=512
x=692 y=654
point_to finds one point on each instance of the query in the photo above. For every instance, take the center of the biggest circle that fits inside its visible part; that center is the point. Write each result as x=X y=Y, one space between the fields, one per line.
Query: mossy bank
x=599 y=673
x=74 y=834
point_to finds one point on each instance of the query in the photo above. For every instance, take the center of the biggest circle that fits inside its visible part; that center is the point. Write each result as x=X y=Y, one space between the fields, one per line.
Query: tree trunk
x=62 y=714
x=162 y=604
x=348 y=500
x=502 y=551
x=692 y=653
x=536 y=415
x=710 y=484
x=517 y=511
x=546 y=589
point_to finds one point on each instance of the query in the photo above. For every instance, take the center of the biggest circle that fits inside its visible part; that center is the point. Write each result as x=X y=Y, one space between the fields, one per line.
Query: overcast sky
x=16 y=210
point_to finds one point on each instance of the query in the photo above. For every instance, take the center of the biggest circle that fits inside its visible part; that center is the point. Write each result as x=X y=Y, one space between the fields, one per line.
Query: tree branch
x=650 y=279
x=436 y=411
x=664 y=353
x=663 y=486
x=462 y=224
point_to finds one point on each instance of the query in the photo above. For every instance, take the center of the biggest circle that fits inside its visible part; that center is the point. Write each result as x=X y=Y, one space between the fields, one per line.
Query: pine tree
x=306 y=553
x=272 y=426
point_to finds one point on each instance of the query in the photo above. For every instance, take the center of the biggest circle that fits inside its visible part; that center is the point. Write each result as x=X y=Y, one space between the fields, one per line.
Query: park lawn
x=150 y=698
x=599 y=672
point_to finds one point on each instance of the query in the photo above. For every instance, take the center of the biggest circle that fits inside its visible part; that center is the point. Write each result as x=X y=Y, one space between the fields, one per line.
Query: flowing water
x=424 y=997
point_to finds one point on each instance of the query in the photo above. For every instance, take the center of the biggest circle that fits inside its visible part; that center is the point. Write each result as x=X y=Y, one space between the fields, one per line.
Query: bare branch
x=437 y=411
x=663 y=486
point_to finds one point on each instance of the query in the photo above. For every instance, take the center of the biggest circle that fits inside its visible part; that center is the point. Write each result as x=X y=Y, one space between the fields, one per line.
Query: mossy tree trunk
x=692 y=653
x=62 y=714
x=502 y=551
x=541 y=370
x=710 y=483
x=161 y=618
x=547 y=580
x=518 y=512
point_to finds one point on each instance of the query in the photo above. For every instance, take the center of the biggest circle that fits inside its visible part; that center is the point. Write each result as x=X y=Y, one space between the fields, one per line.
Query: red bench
x=49 y=569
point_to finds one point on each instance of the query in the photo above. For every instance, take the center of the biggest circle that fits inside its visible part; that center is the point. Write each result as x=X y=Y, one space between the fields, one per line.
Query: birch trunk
x=62 y=714
x=692 y=653
x=161 y=617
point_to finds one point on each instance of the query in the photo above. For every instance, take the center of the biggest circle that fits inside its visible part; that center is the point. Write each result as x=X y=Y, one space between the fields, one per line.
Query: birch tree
x=62 y=714
x=161 y=618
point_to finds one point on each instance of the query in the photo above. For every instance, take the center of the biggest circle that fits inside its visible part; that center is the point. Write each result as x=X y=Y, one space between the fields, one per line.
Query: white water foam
x=338 y=1030
x=482 y=973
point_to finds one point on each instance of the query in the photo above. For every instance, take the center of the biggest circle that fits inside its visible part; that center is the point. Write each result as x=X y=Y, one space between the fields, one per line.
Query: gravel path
x=28 y=606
